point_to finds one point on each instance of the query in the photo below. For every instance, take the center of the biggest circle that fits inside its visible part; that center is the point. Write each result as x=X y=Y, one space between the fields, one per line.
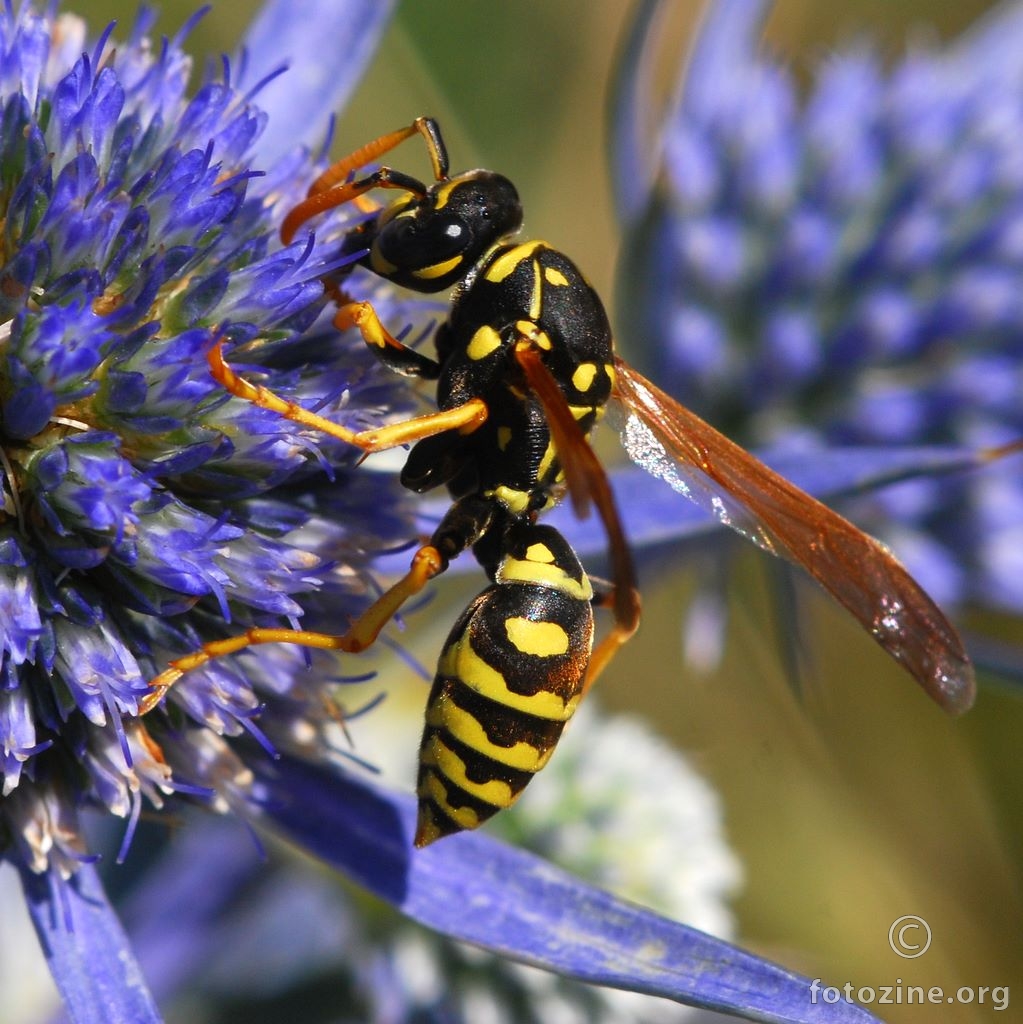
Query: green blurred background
x=857 y=801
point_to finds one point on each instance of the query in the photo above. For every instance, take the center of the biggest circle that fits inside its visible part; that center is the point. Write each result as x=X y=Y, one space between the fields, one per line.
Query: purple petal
x=326 y=45
x=994 y=40
x=495 y=896
x=90 y=957
x=726 y=41
x=175 y=913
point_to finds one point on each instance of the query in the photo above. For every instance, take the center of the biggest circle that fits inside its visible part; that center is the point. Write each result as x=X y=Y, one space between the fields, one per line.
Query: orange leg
x=620 y=633
x=426 y=563
x=320 y=202
x=385 y=346
x=465 y=418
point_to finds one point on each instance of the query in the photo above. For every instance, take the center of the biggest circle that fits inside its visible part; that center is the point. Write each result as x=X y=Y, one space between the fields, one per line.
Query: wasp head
x=429 y=241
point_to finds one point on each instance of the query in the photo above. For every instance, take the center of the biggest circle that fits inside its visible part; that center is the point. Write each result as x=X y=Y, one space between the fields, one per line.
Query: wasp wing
x=587 y=481
x=672 y=443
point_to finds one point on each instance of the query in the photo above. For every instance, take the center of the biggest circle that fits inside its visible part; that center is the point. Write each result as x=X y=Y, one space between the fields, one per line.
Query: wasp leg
x=332 y=189
x=426 y=563
x=462 y=525
x=464 y=418
x=384 y=345
x=606 y=596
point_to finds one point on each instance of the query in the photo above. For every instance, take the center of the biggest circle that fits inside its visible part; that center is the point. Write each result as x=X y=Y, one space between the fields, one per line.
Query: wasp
x=525 y=367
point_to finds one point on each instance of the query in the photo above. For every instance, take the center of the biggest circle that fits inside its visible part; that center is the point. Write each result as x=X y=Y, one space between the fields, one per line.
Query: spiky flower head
x=845 y=268
x=145 y=510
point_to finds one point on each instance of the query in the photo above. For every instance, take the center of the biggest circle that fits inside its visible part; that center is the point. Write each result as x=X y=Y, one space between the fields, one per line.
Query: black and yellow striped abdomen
x=509 y=678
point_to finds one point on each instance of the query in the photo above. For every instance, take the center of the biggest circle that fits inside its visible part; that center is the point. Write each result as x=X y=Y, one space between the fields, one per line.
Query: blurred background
x=850 y=799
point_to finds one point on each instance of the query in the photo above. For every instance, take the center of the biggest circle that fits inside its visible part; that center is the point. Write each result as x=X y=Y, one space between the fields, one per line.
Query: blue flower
x=146 y=511
x=143 y=510
x=843 y=268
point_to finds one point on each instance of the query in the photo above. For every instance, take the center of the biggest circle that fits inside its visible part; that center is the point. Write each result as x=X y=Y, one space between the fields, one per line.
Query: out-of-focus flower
x=846 y=268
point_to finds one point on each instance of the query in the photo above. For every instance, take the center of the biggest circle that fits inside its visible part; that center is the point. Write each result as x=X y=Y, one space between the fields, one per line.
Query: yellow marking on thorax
x=508 y=262
x=529 y=330
x=545 y=462
x=379 y=265
x=583 y=377
x=554 y=276
x=539 y=552
x=514 y=500
x=484 y=341
x=536 y=296
x=504 y=436
x=447 y=715
x=438 y=269
x=540 y=639
x=460 y=661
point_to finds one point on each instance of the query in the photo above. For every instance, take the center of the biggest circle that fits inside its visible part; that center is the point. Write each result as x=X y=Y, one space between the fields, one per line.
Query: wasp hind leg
x=426 y=563
x=625 y=606
x=463 y=524
x=587 y=481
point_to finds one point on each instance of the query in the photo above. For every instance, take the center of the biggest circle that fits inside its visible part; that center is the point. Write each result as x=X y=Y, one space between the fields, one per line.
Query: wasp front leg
x=464 y=418
x=385 y=346
x=332 y=188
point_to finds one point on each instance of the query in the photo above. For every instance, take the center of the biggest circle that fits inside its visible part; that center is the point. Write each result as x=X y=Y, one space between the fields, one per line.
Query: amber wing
x=673 y=443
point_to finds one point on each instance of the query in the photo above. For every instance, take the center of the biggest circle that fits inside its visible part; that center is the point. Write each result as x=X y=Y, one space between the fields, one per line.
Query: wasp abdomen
x=509 y=678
